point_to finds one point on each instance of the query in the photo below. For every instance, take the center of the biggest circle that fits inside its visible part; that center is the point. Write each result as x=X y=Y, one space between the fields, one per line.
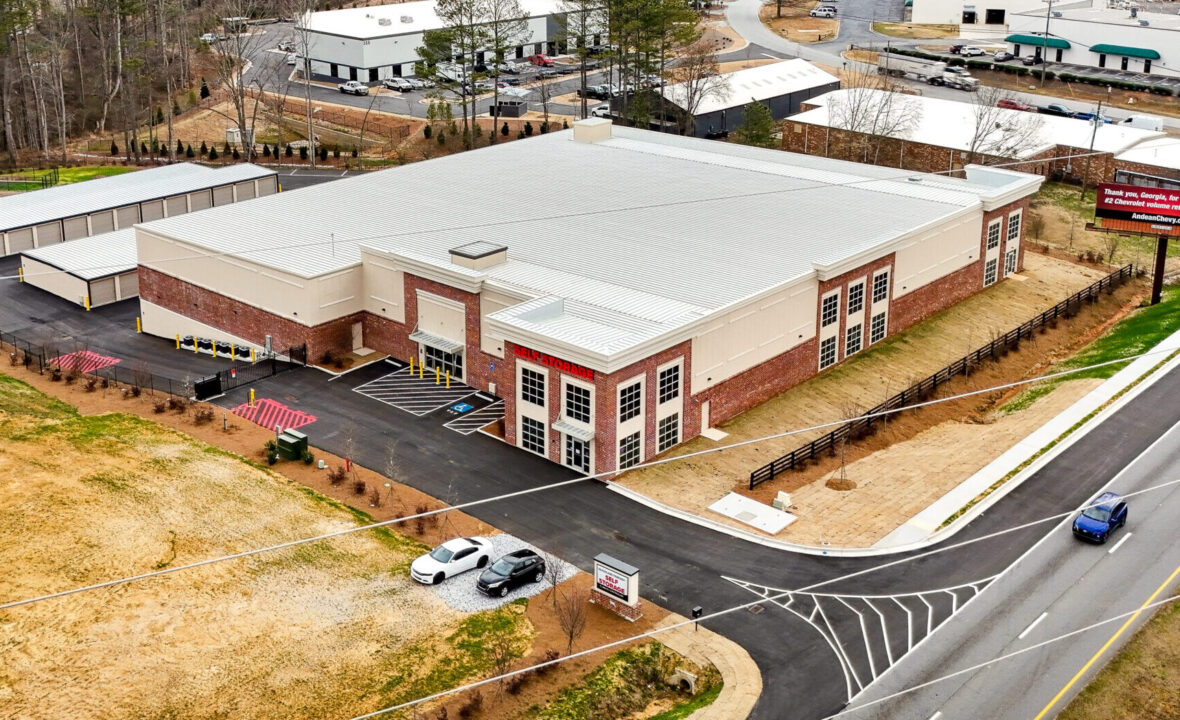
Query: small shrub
x=204 y=149
x=354 y=151
x=203 y=416
x=327 y=358
x=114 y=148
x=90 y=385
x=528 y=128
x=270 y=446
x=520 y=134
x=104 y=383
x=272 y=458
x=212 y=153
x=307 y=457
x=427 y=132
x=159 y=406
x=336 y=475
x=442 y=713
x=420 y=525
x=472 y=705
x=550 y=656
x=289 y=152
x=303 y=153
x=359 y=487
x=179 y=404
x=442 y=138
x=71 y=377
x=374 y=497
x=13 y=358
x=504 y=129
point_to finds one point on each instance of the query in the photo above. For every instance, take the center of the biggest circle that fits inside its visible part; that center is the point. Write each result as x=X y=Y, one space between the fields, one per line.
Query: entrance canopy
x=1038 y=41
x=448 y=346
x=1125 y=50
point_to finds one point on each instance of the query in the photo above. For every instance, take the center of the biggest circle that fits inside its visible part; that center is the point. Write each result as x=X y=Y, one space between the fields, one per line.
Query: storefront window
x=532 y=435
x=446 y=362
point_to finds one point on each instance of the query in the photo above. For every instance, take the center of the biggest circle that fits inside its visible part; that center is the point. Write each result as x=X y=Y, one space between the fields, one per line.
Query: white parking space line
x=1119 y=543
x=936 y=715
x=476 y=419
x=1029 y=629
x=416 y=395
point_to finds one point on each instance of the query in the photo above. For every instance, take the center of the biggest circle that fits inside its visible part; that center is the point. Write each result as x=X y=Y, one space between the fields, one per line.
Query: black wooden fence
x=866 y=424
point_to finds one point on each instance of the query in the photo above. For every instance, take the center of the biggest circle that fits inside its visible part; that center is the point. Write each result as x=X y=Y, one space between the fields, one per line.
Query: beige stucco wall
x=753 y=333
x=162 y=321
x=52 y=280
x=491 y=301
x=442 y=316
x=936 y=253
x=383 y=288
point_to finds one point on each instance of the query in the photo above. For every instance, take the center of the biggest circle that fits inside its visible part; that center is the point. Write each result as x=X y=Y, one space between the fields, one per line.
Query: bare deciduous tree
x=873 y=113
x=697 y=78
x=572 y=613
x=999 y=134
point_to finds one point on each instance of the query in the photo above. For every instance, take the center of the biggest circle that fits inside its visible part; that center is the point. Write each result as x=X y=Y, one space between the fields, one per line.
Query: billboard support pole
x=1157 y=280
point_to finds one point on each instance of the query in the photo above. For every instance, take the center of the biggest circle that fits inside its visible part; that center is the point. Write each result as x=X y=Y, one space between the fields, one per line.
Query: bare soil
x=797 y=25
x=867 y=379
x=918 y=32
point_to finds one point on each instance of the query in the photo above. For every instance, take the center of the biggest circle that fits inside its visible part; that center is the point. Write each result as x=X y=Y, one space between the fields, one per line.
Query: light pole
x=1093 y=134
x=1045 y=43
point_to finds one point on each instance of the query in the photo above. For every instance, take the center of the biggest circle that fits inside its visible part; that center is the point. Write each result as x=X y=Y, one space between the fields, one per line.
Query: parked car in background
x=512 y=571
x=210 y=38
x=954 y=49
x=292 y=58
x=1100 y=518
x=971 y=51
x=398 y=83
x=353 y=87
x=1014 y=104
x=1002 y=56
x=600 y=111
x=1055 y=109
x=541 y=60
x=1093 y=116
x=1031 y=60
x=419 y=83
x=450 y=559
x=287 y=46
x=823 y=12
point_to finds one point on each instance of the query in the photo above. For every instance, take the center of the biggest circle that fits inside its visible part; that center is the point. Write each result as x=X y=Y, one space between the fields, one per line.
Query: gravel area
x=460 y=592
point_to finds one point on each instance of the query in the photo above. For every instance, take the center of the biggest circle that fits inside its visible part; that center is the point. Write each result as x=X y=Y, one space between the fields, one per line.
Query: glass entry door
x=433 y=357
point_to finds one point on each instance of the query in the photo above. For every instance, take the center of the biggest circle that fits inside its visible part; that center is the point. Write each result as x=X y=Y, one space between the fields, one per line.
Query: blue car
x=1100 y=518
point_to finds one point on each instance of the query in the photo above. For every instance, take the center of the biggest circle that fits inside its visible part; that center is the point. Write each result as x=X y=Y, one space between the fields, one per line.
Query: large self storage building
x=670 y=284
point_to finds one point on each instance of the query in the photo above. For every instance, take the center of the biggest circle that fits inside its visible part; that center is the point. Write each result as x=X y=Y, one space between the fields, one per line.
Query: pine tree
x=204 y=89
x=213 y=153
x=159 y=116
x=237 y=155
x=426 y=132
x=303 y=153
x=354 y=151
x=528 y=128
x=143 y=148
x=179 y=147
x=189 y=152
x=266 y=151
x=289 y=152
x=504 y=129
x=758 y=127
x=204 y=149
x=114 y=148
x=323 y=153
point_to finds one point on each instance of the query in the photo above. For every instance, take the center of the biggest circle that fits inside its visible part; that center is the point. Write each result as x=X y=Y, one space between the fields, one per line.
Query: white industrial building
x=66 y=212
x=370 y=44
x=89 y=271
x=970 y=12
x=1098 y=36
x=712 y=277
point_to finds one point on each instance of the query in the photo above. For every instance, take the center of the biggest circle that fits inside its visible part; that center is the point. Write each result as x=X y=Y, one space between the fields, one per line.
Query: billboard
x=1155 y=206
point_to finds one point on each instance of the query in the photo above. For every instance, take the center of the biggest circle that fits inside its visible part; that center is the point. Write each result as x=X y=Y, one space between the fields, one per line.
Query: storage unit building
x=90 y=271
x=711 y=277
x=67 y=212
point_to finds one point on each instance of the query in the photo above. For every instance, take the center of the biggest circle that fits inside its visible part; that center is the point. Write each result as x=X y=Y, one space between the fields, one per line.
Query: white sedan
x=451 y=558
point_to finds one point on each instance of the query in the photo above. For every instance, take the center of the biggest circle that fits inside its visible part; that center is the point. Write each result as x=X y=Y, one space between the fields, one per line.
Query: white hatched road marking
x=416 y=395
x=475 y=419
x=839 y=637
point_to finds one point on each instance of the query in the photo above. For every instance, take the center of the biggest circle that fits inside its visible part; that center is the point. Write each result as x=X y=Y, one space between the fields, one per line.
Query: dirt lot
x=867 y=380
x=331 y=629
x=919 y=32
x=797 y=25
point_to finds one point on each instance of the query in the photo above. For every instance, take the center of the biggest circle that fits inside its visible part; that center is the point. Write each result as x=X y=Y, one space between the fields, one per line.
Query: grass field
x=918 y=32
x=80 y=174
x=332 y=629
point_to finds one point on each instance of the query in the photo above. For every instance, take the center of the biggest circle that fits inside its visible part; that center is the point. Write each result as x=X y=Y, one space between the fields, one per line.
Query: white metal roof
x=404 y=18
x=91 y=257
x=62 y=201
x=951 y=124
x=635 y=235
x=1162 y=152
x=756 y=83
x=1113 y=16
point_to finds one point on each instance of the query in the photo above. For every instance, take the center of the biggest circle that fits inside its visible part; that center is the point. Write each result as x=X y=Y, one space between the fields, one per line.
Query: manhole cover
x=756 y=609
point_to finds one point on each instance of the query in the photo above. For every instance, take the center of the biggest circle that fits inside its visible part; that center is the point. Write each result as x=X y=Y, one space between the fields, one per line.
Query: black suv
x=512 y=571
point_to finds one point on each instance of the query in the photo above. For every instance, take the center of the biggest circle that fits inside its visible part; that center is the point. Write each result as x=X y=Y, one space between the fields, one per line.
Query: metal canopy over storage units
x=67 y=212
x=95 y=270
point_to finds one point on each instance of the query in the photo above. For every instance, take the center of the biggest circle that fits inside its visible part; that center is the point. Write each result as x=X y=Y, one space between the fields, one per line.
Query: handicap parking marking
x=472 y=421
x=416 y=395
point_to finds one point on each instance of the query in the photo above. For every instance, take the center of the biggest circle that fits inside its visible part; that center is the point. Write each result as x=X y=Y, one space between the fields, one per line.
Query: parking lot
x=462 y=408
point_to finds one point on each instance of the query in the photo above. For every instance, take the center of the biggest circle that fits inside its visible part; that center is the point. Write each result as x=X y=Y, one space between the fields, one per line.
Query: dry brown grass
x=797 y=25
x=916 y=32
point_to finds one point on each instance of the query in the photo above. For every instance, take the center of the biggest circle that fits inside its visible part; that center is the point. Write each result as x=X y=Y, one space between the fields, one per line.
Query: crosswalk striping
x=269 y=413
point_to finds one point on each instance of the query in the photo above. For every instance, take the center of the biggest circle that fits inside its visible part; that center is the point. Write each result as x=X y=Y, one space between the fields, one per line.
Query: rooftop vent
x=592 y=130
x=479 y=254
x=384 y=21
x=407 y=19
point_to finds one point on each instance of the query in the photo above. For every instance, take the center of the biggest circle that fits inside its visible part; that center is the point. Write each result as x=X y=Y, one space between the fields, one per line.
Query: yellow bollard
x=251 y=354
x=87 y=303
x=448 y=378
x=214 y=348
x=411 y=366
x=251 y=398
x=194 y=344
x=421 y=367
x=138 y=326
x=177 y=341
x=233 y=352
x=437 y=379
x=21 y=273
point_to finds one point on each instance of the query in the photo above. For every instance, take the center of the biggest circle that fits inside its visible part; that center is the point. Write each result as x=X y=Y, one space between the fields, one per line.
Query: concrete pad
x=753 y=513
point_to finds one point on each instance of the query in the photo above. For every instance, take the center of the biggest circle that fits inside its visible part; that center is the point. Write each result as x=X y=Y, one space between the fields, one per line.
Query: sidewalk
x=743 y=680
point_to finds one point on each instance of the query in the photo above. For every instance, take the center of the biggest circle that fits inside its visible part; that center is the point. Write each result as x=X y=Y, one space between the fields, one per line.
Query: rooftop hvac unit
x=407 y=19
x=384 y=21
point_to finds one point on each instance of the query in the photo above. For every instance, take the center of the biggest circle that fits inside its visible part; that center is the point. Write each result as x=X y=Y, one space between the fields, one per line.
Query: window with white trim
x=532 y=435
x=853 y=338
x=881 y=287
x=827 y=352
x=993 y=233
x=1013 y=226
x=630 y=402
x=577 y=403
x=877 y=328
x=669 y=383
x=829 y=310
x=629 y=451
x=1009 y=262
x=668 y=432
x=856 y=297
x=989 y=271
x=532 y=387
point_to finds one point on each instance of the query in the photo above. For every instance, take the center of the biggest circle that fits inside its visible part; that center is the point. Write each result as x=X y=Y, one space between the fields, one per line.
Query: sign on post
x=616 y=587
x=1153 y=206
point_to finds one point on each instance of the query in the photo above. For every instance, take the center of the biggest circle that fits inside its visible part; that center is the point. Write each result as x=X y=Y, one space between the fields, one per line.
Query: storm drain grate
x=756 y=609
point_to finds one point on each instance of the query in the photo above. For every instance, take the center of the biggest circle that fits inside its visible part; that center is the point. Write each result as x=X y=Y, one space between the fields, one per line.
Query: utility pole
x=1093 y=133
x=1045 y=43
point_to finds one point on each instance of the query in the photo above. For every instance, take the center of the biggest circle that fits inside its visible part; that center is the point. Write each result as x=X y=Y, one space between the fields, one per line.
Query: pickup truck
x=353 y=87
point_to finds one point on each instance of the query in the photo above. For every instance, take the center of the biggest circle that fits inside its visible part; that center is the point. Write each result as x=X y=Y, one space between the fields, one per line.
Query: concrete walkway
x=739 y=672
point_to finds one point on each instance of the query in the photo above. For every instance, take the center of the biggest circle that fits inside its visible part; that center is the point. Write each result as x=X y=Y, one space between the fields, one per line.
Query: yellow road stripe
x=1109 y=642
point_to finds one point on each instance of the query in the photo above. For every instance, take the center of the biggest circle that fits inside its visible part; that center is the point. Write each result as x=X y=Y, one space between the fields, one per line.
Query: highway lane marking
x=1119 y=543
x=936 y=715
x=1108 y=643
x=1028 y=629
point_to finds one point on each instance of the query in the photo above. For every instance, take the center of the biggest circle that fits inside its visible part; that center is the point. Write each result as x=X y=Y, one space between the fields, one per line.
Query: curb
x=1143 y=371
x=740 y=674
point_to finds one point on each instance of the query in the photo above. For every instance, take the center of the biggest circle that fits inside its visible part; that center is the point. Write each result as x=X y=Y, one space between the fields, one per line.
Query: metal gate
x=230 y=378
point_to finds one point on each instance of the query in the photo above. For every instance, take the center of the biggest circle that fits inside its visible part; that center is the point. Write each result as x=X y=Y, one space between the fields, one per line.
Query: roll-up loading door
x=102 y=291
x=102 y=222
x=129 y=284
x=19 y=240
x=75 y=227
x=177 y=205
x=223 y=195
x=267 y=185
x=127 y=215
x=246 y=190
x=199 y=200
x=151 y=210
x=48 y=234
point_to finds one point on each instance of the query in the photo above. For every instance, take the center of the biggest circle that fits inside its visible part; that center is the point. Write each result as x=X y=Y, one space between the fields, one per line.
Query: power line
x=750 y=604
x=246 y=253
x=496 y=498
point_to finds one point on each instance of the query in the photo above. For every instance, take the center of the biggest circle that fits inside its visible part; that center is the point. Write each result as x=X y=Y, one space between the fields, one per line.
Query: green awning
x=1038 y=41
x=1135 y=52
